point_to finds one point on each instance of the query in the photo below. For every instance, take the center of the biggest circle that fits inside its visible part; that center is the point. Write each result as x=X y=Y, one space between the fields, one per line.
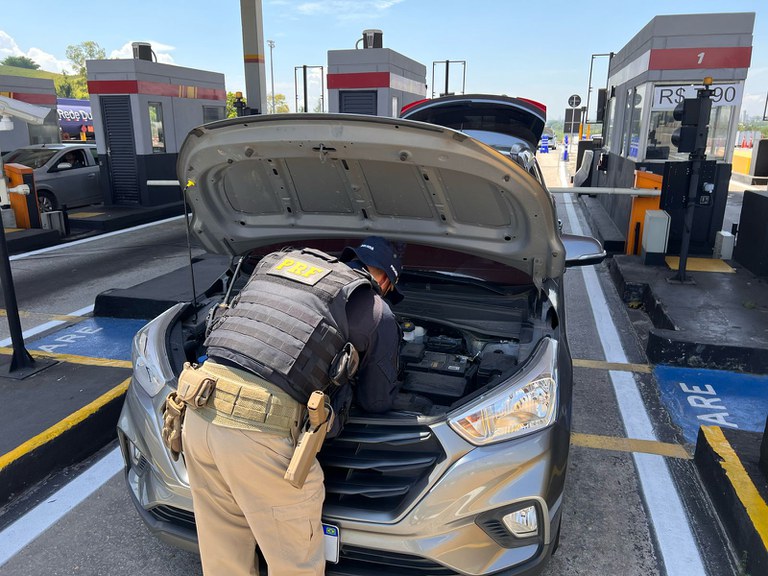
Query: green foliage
x=79 y=53
x=281 y=106
x=754 y=125
x=27 y=72
x=71 y=86
x=230 y=109
x=76 y=85
x=21 y=62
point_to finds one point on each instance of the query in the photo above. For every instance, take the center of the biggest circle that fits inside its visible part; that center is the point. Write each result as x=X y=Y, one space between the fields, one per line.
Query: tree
x=21 y=62
x=79 y=53
x=281 y=106
x=230 y=109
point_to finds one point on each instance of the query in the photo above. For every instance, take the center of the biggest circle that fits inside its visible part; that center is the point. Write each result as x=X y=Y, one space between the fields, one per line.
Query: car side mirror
x=63 y=166
x=582 y=250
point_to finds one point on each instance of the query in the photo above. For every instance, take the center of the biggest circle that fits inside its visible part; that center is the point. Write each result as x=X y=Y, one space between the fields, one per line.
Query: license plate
x=331 y=536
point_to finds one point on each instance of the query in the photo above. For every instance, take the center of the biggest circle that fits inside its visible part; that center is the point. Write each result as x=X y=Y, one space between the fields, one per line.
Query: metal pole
x=693 y=188
x=696 y=158
x=272 y=71
x=322 y=89
x=21 y=358
x=446 y=77
x=589 y=88
x=253 y=55
x=306 y=96
x=295 y=89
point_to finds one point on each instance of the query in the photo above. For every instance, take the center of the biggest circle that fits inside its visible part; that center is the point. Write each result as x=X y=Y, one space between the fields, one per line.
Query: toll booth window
x=46 y=133
x=156 y=128
x=213 y=113
x=633 y=119
x=663 y=124
x=610 y=134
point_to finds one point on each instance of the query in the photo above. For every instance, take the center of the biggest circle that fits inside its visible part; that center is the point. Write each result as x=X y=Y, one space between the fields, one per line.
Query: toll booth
x=373 y=79
x=38 y=91
x=660 y=66
x=142 y=111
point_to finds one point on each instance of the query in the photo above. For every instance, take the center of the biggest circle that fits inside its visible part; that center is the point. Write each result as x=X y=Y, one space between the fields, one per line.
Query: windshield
x=32 y=158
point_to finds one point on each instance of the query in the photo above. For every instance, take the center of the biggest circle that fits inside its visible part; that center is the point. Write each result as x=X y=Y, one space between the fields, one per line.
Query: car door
x=75 y=182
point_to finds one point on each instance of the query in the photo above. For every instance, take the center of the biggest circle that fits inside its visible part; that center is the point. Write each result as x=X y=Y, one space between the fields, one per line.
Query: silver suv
x=466 y=475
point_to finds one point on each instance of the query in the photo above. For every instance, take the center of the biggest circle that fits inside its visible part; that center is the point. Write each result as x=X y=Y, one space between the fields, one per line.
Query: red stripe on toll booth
x=704 y=58
x=358 y=80
x=154 y=89
x=31 y=98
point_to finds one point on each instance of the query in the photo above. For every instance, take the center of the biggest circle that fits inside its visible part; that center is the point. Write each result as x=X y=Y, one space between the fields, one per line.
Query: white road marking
x=27 y=528
x=673 y=532
x=48 y=325
x=92 y=238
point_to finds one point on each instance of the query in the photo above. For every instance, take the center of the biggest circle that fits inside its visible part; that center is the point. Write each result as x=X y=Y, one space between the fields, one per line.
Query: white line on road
x=24 y=530
x=92 y=238
x=673 y=532
x=48 y=325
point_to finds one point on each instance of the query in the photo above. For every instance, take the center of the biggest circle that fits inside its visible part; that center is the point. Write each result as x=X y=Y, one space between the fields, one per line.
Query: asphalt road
x=609 y=527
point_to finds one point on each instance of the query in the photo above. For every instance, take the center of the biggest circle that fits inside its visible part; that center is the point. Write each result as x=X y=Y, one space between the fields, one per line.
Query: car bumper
x=453 y=527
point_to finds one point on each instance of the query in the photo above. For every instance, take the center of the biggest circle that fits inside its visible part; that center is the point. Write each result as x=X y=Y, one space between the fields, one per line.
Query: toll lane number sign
x=667 y=97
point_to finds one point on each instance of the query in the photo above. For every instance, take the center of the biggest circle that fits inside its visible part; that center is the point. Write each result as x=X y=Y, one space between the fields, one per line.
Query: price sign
x=667 y=97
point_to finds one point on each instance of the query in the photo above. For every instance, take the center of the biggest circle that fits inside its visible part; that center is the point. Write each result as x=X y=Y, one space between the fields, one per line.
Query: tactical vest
x=289 y=321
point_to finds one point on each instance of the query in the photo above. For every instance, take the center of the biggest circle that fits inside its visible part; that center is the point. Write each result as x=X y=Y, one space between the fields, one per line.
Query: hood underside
x=273 y=179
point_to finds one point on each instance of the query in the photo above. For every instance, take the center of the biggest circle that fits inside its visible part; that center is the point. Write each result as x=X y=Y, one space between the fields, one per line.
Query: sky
x=533 y=49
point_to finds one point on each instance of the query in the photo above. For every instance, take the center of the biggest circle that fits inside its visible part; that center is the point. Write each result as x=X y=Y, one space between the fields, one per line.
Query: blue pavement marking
x=712 y=397
x=95 y=337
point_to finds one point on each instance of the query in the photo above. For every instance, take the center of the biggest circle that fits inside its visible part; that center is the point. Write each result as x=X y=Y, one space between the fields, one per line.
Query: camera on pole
x=693 y=114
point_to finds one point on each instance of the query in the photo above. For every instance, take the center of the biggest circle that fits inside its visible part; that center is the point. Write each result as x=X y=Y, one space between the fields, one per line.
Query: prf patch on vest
x=299 y=271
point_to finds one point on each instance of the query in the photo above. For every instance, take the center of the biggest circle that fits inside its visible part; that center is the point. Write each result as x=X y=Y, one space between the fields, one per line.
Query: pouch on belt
x=194 y=390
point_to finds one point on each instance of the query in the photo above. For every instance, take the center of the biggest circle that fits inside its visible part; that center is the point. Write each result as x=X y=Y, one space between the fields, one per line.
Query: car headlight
x=151 y=368
x=526 y=403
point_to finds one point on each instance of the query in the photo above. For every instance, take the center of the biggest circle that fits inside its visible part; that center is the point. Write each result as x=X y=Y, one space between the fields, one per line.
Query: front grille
x=377 y=466
x=354 y=561
x=176 y=516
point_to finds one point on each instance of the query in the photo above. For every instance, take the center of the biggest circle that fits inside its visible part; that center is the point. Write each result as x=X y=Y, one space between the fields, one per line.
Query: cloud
x=161 y=51
x=48 y=62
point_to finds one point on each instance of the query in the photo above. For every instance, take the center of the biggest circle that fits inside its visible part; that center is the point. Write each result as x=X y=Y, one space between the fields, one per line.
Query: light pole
x=272 y=71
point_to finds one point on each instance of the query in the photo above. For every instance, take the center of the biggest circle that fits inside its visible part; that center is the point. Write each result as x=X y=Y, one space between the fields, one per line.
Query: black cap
x=380 y=253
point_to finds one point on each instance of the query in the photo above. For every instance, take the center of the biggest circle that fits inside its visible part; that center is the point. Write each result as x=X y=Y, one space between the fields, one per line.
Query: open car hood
x=278 y=179
x=482 y=114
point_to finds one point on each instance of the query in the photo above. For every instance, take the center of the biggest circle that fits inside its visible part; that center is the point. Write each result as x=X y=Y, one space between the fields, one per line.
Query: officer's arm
x=377 y=384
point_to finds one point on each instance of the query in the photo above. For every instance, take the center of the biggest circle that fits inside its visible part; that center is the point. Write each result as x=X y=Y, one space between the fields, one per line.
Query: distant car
x=466 y=474
x=65 y=174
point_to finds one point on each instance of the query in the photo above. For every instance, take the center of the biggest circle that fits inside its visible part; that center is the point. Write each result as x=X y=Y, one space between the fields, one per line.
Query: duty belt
x=242 y=400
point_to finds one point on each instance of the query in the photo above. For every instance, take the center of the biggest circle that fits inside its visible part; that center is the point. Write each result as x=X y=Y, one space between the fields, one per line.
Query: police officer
x=267 y=353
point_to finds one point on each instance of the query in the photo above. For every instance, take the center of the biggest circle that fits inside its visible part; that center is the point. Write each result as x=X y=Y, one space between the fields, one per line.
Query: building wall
x=390 y=73
x=181 y=93
x=38 y=91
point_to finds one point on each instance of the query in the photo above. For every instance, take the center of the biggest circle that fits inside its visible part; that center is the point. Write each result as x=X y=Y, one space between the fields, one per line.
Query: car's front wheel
x=46 y=201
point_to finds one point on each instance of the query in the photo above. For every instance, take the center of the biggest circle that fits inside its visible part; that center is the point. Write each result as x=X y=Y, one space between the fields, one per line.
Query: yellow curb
x=62 y=317
x=73 y=359
x=60 y=427
x=746 y=491
x=621 y=367
x=630 y=445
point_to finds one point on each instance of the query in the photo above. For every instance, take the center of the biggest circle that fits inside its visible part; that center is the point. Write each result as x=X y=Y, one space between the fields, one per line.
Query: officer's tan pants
x=241 y=498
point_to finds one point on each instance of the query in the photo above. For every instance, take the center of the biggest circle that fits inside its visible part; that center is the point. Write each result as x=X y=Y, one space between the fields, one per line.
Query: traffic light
x=693 y=114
